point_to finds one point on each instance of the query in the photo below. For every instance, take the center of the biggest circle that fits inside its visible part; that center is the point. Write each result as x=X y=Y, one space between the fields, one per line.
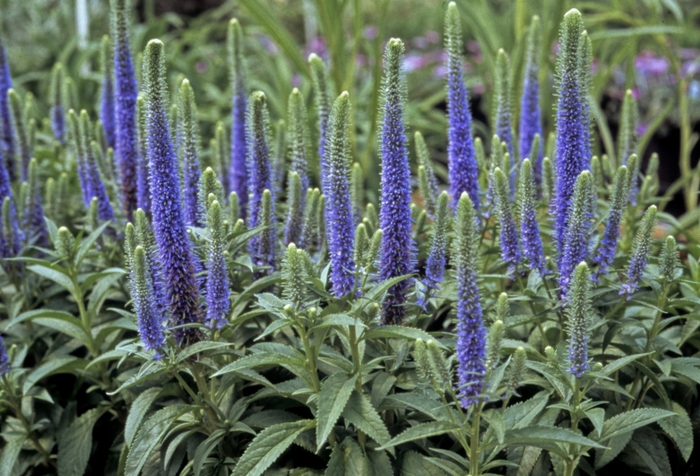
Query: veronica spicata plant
x=268 y=310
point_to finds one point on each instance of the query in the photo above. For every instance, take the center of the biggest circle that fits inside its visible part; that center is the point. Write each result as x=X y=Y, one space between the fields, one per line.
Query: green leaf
x=205 y=448
x=55 y=273
x=335 y=393
x=347 y=459
x=255 y=360
x=198 y=347
x=149 y=437
x=380 y=288
x=637 y=31
x=399 y=332
x=138 y=410
x=521 y=414
x=55 y=365
x=423 y=430
x=650 y=449
x=680 y=429
x=75 y=444
x=415 y=464
x=616 y=365
x=338 y=320
x=380 y=463
x=597 y=417
x=631 y=420
x=268 y=446
x=360 y=412
x=86 y=243
x=544 y=436
x=10 y=452
x=615 y=447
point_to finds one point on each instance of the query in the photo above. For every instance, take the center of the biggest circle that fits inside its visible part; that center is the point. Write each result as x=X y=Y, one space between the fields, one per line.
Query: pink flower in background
x=649 y=64
x=432 y=36
x=641 y=128
x=636 y=94
x=268 y=44
x=202 y=67
x=316 y=45
x=296 y=81
x=371 y=32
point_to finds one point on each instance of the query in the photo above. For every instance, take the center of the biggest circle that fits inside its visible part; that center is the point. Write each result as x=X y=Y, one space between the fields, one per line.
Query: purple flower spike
x=57 y=112
x=107 y=114
x=173 y=243
x=258 y=159
x=530 y=113
x=529 y=228
x=143 y=192
x=217 y=275
x=396 y=254
x=640 y=253
x=575 y=248
x=572 y=133
x=126 y=93
x=608 y=244
x=4 y=360
x=338 y=200
x=10 y=234
x=239 y=173
x=463 y=168
x=7 y=137
x=150 y=324
x=471 y=333
x=435 y=264
x=510 y=247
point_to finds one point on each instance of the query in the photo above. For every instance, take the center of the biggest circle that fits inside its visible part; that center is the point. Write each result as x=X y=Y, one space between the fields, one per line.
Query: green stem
x=474 y=451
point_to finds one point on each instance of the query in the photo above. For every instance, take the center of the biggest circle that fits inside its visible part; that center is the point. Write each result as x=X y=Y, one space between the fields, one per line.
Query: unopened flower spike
x=530 y=113
x=440 y=368
x=143 y=196
x=233 y=208
x=298 y=138
x=96 y=186
x=529 y=227
x=426 y=175
x=295 y=209
x=145 y=237
x=435 y=264
x=64 y=242
x=258 y=160
x=322 y=100
x=34 y=222
x=571 y=132
x=107 y=105
x=209 y=184
x=627 y=135
x=189 y=150
x=548 y=181
x=576 y=240
x=264 y=245
x=397 y=253
x=494 y=341
x=309 y=229
x=471 y=333
x=278 y=160
x=338 y=200
x=503 y=114
x=640 y=253
x=294 y=275
x=373 y=252
x=502 y=308
x=463 y=169
x=577 y=311
x=11 y=237
x=420 y=356
x=220 y=152
x=81 y=157
x=7 y=138
x=510 y=247
x=585 y=57
x=669 y=260
x=238 y=173
x=150 y=323
x=21 y=132
x=608 y=244
x=517 y=369
x=217 y=275
x=125 y=93
x=361 y=246
x=57 y=111
x=173 y=243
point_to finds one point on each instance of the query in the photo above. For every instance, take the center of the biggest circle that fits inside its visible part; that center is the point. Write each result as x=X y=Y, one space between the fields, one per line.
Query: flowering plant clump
x=256 y=308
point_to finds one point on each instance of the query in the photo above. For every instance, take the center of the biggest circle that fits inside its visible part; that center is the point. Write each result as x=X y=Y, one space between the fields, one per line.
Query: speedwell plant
x=247 y=311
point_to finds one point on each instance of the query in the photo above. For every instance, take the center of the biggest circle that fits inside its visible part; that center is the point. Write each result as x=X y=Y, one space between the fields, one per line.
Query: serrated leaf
x=205 y=448
x=138 y=410
x=198 y=347
x=631 y=420
x=651 y=451
x=347 y=459
x=545 y=436
x=149 y=437
x=415 y=464
x=615 y=447
x=380 y=463
x=267 y=447
x=360 y=412
x=335 y=393
x=255 y=360
x=521 y=414
x=423 y=430
x=10 y=452
x=617 y=364
x=597 y=417
x=680 y=429
x=75 y=444
x=55 y=273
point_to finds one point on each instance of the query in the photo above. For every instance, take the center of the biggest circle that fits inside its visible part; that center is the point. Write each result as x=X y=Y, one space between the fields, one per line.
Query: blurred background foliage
x=650 y=46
